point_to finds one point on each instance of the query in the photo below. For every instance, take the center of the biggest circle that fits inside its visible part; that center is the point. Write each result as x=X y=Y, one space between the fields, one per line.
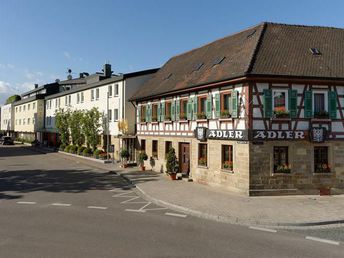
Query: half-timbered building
x=258 y=112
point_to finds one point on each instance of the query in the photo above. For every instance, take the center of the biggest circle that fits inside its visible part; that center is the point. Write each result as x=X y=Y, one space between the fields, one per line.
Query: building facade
x=257 y=112
x=7 y=119
x=109 y=94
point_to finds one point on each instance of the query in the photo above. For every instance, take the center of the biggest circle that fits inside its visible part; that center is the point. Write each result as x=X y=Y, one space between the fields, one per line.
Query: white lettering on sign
x=279 y=135
x=227 y=134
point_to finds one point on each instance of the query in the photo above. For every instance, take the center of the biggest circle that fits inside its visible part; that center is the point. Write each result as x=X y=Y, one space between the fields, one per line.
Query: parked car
x=6 y=140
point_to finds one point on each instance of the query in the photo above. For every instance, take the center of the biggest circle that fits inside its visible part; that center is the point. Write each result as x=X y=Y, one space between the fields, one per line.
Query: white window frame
x=82 y=97
x=114 y=114
x=97 y=94
x=110 y=90
x=325 y=92
x=116 y=90
x=92 y=95
x=286 y=96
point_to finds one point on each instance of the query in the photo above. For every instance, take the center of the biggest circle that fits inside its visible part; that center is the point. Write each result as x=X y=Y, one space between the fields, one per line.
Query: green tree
x=12 y=99
x=91 y=123
x=62 y=124
x=171 y=161
x=75 y=125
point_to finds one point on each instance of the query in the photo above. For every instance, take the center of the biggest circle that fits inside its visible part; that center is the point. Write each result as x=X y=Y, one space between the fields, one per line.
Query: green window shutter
x=292 y=103
x=209 y=107
x=267 y=102
x=173 y=110
x=234 y=98
x=217 y=105
x=194 y=104
x=189 y=110
x=150 y=113
x=158 y=112
x=147 y=111
x=177 y=110
x=139 y=114
x=332 y=104
x=308 y=104
x=162 y=111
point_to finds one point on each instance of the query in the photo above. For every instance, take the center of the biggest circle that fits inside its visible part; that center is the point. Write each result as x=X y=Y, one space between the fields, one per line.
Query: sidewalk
x=220 y=205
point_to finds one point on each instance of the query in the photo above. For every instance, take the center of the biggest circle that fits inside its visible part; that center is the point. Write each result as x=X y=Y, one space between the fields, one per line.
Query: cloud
x=7 y=66
x=6 y=90
x=67 y=55
x=33 y=75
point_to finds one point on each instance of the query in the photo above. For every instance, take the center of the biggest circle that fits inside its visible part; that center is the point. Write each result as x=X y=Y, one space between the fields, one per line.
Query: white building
x=94 y=94
x=7 y=119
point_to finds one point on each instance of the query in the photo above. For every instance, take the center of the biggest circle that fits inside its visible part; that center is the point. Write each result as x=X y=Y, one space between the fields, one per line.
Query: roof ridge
x=301 y=25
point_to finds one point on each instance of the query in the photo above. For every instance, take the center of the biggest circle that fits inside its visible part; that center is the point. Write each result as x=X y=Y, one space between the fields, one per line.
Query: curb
x=227 y=219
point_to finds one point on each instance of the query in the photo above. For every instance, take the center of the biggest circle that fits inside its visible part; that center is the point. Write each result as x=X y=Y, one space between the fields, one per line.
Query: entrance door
x=184 y=158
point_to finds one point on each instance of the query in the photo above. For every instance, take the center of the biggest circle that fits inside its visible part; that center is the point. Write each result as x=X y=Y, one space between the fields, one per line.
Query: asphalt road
x=54 y=206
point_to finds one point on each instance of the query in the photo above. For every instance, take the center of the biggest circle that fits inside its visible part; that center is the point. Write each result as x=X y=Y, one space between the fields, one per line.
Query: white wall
x=7 y=117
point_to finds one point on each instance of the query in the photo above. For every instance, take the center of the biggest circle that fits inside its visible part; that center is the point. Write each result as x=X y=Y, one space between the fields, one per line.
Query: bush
x=142 y=157
x=87 y=152
x=171 y=161
x=125 y=154
x=96 y=153
x=73 y=149
x=62 y=147
x=81 y=150
x=67 y=148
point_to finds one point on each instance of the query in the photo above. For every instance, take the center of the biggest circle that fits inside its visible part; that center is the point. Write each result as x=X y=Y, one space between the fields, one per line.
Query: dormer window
x=315 y=51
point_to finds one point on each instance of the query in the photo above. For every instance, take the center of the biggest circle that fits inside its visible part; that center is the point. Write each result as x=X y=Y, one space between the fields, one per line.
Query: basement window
x=315 y=51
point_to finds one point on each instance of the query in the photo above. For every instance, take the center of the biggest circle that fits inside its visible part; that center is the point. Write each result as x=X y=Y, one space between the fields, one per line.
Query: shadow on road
x=18 y=150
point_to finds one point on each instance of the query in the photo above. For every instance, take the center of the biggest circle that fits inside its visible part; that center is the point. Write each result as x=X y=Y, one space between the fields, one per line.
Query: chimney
x=36 y=85
x=107 y=70
x=81 y=75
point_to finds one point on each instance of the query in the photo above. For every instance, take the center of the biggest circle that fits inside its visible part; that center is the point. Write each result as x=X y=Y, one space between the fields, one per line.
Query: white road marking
x=142 y=208
x=176 y=215
x=97 y=207
x=61 y=204
x=26 y=202
x=122 y=194
x=134 y=198
x=135 y=210
x=331 y=242
x=264 y=229
x=156 y=209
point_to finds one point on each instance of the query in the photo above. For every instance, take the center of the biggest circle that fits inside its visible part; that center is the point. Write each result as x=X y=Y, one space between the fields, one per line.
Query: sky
x=40 y=39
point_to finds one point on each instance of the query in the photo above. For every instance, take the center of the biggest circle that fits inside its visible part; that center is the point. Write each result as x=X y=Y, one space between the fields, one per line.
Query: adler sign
x=278 y=135
x=203 y=134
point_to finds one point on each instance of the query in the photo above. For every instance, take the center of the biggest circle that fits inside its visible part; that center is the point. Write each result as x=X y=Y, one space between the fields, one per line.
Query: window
x=202 y=154
x=69 y=100
x=97 y=93
x=280 y=101
x=110 y=114
x=110 y=90
x=92 y=95
x=281 y=164
x=82 y=97
x=20 y=109
x=321 y=164
x=154 y=112
x=116 y=89
x=225 y=105
x=168 y=111
x=24 y=121
x=19 y=121
x=202 y=107
x=155 y=149
x=183 y=109
x=28 y=106
x=33 y=120
x=16 y=109
x=56 y=102
x=115 y=114
x=227 y=157
x=28 y=121
x=66 y=101
x=78 y=98
x=143 y=145
x=33 y=105
x=24 y=108
x=168 y=146
x=143 y=114
x=320 y=105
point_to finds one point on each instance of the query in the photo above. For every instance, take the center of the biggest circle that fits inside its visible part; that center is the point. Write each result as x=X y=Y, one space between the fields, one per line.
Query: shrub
x=125 y=154
x=67 y=148
x=171 y=161
x=87 y=152
x=62 y=147
x=73 y=149
x=96 y=153
x=81 y=150
x=142 y=157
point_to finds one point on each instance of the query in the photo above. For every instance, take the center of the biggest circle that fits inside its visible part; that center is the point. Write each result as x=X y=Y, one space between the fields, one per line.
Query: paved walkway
x=216 y=204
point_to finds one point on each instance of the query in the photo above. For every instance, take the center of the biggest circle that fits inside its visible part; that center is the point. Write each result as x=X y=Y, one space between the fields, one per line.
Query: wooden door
x=184 y=158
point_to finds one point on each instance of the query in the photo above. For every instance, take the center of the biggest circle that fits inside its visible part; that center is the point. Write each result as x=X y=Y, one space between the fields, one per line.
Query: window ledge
x=183 y=121
x=204 y=167
x=143 y=123
x=281 y=119
x=201 y=120
x=227 y=171
x=155 y=123
x=225 y=119
x=167 y=122
x=320 y=120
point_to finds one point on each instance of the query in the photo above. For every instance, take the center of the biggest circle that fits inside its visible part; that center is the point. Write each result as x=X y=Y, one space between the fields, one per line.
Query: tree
x=62 y=124
x=12 y=99
x=91 y=122
x=171 y=161
x=75 y=126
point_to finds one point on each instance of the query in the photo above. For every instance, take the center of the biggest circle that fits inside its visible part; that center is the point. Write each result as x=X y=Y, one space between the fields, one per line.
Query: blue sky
x=40 y=39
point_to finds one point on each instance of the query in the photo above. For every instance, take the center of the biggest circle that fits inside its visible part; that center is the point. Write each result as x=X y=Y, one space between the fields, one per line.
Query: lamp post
x=108 y=127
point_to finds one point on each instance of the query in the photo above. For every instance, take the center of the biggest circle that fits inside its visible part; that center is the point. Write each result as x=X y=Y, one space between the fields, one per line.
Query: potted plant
x=282 y=169
x=322 y=168
x=182 y=116
x=172 y=164
x=225 y=114
x=228 y=165
x=167 y=118
x=142 y=157
x=124 y=155
x=201 y=115
x=281 y=113
x=202 y=162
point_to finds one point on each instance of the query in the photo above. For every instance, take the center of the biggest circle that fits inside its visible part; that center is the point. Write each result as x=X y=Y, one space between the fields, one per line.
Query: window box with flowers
x=143 y=120
x=201 y=115
x=167 y=118
x=154 y=119
x=322 y=168
x=228 y=165
x=202 y=162
x=182 y=116
x=281 y=113
x=321 y=115
x=225 y=114
x=284 y=168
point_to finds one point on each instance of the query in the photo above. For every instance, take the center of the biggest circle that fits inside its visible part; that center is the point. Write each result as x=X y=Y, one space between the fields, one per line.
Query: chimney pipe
x=107 y=70
x=36 y=85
